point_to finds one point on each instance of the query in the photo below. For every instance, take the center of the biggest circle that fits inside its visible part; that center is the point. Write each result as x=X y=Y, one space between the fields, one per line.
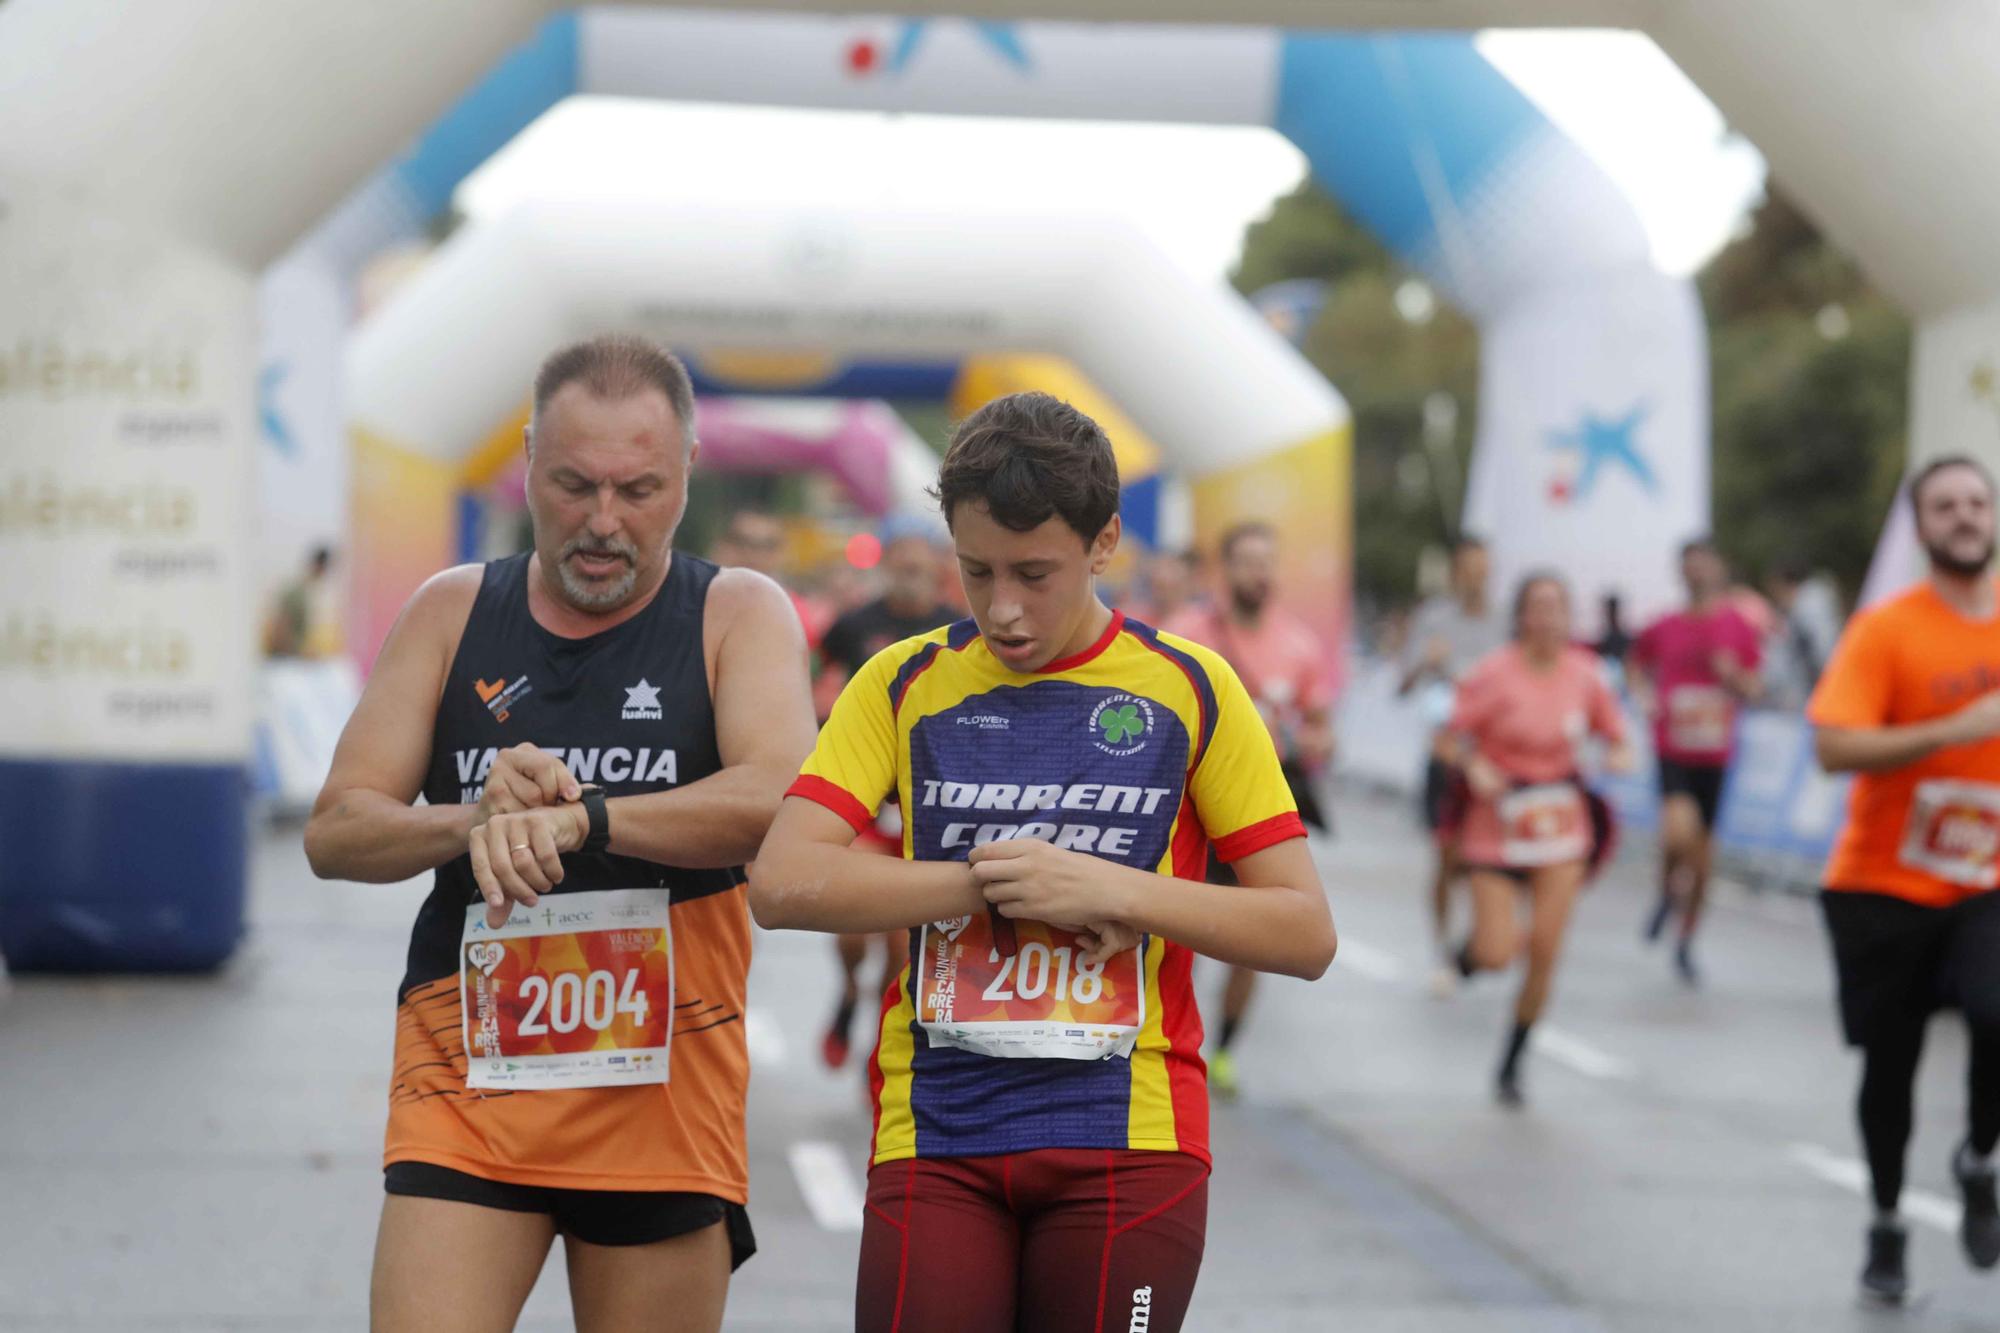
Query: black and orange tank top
x=629 y=709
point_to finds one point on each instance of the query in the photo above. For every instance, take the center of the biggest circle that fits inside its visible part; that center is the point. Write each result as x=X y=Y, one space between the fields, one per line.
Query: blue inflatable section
x=87 y=889
x=1400 y=128
x=1139 y=507
x=532 y=78
x=923 y=381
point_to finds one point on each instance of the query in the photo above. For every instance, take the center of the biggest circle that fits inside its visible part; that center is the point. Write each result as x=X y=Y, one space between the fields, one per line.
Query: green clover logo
x=1121 y=724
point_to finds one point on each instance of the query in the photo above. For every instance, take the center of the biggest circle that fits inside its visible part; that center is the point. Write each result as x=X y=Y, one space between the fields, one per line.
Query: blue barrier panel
x=86 y=888
x=1758 y=793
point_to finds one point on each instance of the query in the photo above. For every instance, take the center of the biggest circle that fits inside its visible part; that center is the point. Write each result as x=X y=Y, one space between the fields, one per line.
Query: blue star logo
x=1000 y=36
x=1605 y=442
x=275 y=429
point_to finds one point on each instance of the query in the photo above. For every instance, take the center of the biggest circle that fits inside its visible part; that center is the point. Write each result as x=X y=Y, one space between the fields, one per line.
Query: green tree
x=1810 y=372
x=1386 y=359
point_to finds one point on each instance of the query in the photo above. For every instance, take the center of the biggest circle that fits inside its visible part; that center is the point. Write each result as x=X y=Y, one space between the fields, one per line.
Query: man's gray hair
x=618 y=365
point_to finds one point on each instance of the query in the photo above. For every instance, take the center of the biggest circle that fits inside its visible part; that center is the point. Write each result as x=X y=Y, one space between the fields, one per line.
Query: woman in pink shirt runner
x=1532 y=829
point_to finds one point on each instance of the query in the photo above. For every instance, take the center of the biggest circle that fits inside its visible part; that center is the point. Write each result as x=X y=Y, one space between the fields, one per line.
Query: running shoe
x=1656 y=924
x=834 y=1049
x=1222 y=1075
x=835 y=1046
x=1884 y=1279
x=1507 y=1088
x=1979 y=1230
x=1690 y=975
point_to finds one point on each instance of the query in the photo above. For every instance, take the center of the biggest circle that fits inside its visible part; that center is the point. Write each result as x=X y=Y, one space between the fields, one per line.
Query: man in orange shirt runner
x=1910 y=703
x=1284 y=666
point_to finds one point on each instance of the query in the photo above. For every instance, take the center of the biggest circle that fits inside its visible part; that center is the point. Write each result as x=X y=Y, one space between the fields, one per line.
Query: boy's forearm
x=1270 y=929
x=845 y=891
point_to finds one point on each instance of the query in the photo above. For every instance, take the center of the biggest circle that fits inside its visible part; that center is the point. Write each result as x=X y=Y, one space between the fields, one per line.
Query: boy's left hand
x=1101 y=941
x=1035 y=880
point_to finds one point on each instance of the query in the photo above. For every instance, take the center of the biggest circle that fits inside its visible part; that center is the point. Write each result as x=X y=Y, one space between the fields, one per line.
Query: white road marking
x=1850 y=1174
x=765 y=1039
x=828 y=1185
x=1365 y=960
x=1576 y=1054
x=1571 y=1052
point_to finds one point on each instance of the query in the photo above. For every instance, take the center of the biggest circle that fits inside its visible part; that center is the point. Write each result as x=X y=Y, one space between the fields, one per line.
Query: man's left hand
x=518 y=857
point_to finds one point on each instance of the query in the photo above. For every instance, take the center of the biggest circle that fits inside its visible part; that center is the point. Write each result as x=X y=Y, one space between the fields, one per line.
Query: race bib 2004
x=575 y=992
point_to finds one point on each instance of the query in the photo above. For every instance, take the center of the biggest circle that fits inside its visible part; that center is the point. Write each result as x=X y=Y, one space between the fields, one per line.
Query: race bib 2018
x=1044 y=1000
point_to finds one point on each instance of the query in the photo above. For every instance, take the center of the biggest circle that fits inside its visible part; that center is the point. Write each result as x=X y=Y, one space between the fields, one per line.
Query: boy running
x=1040 y=1151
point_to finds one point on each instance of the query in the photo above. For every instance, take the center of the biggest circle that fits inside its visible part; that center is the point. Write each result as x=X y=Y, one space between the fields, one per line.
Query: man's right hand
x=525 y=777
x=1428 y=665
x=1488 y=783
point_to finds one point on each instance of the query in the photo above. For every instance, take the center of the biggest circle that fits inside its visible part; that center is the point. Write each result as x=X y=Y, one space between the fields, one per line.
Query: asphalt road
x=203 y=1153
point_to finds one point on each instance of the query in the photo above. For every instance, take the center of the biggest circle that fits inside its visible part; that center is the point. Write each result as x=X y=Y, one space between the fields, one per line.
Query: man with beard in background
x=1910 y=704
x=911 y=567
x=1284 y=666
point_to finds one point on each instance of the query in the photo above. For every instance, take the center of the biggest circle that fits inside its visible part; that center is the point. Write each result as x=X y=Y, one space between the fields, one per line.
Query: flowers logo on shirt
x=1121 y=724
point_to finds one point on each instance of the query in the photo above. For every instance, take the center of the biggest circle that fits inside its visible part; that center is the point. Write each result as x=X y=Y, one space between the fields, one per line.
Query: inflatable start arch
x=1592 y=436
x=1227 y=402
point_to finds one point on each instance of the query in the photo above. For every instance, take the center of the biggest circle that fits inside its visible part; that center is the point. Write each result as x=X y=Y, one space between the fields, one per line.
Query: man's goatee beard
x=601 y=597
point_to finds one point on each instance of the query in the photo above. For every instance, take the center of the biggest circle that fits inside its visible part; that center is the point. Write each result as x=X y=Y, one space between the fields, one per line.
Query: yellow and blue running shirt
x=1143 y=749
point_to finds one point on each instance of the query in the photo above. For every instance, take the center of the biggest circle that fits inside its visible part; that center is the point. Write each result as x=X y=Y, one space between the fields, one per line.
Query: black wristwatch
x=599 y=836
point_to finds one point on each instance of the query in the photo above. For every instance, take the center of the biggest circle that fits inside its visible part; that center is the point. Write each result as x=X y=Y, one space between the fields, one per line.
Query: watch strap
x=599 y=836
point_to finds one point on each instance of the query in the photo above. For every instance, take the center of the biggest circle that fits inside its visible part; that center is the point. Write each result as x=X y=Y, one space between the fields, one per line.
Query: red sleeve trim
x=835 y=798
x=1256 y=837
